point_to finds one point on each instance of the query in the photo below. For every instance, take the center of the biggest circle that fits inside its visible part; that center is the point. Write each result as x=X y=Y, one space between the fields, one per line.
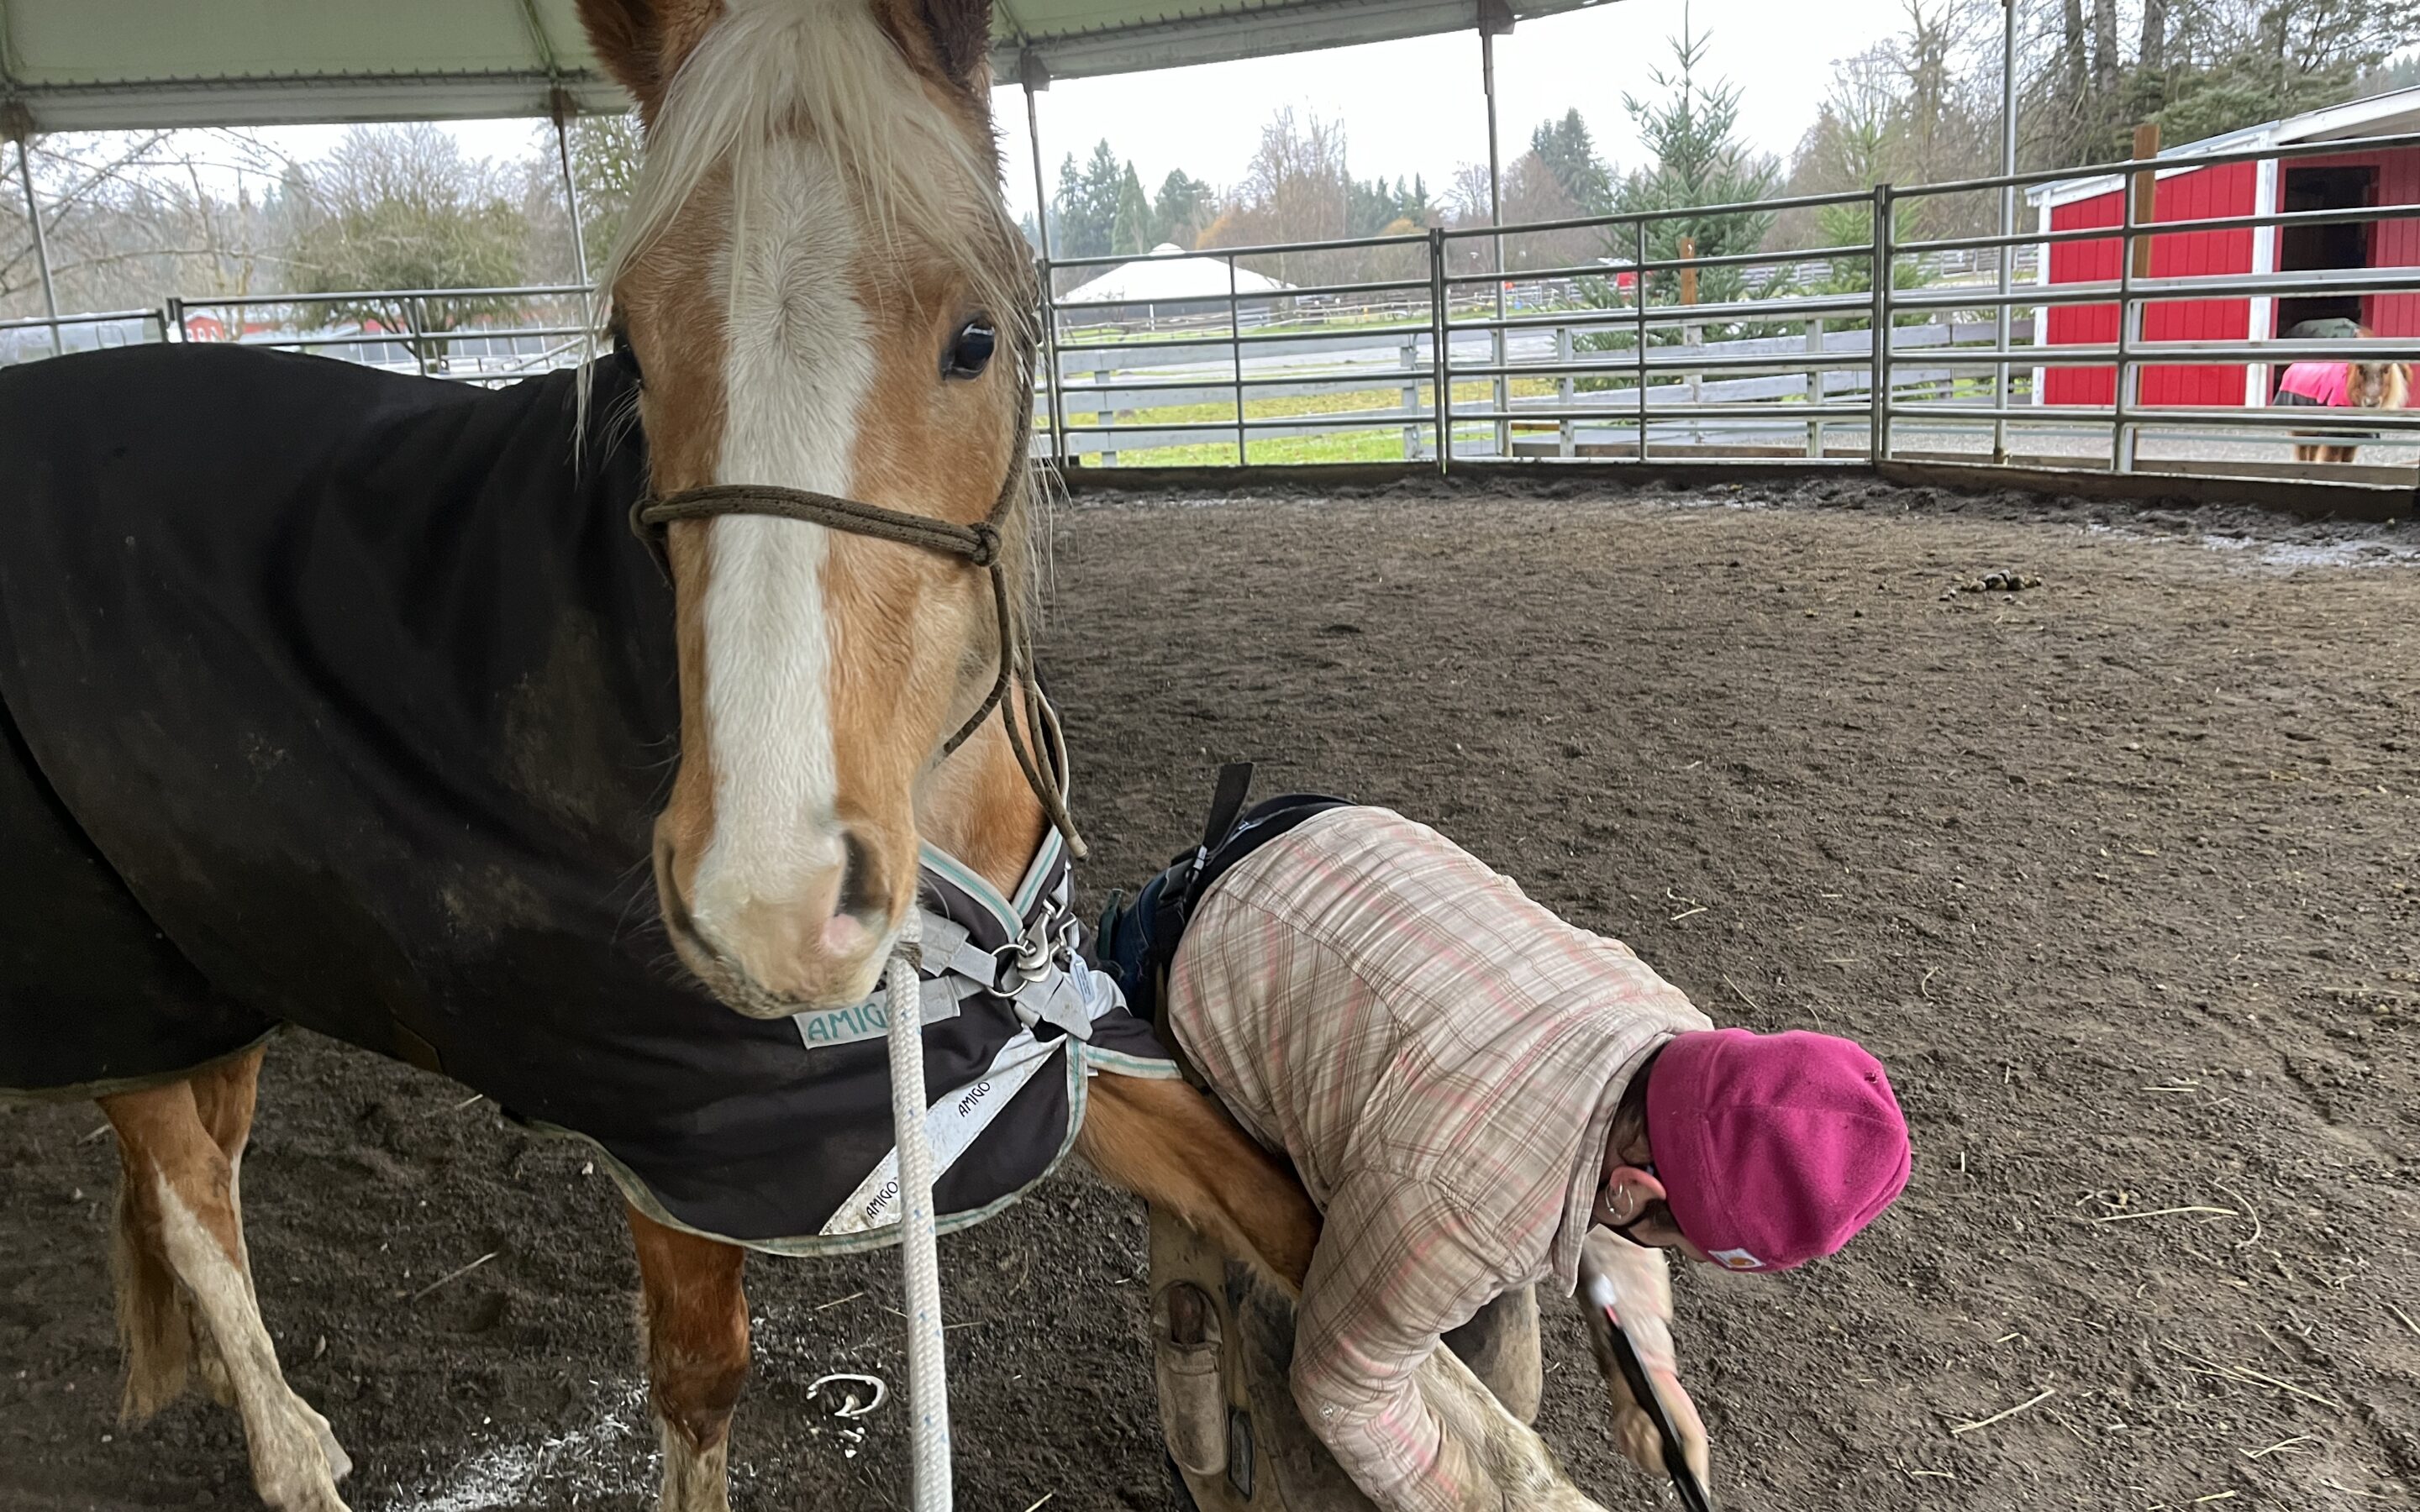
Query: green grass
x=1375 y=443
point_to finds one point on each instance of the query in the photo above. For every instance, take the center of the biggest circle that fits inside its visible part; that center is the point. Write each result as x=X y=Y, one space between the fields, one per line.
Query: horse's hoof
x=307 y=1493
x=340 y=1464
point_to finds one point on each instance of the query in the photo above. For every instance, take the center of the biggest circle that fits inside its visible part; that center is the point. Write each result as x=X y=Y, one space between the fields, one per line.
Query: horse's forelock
x=924 y=171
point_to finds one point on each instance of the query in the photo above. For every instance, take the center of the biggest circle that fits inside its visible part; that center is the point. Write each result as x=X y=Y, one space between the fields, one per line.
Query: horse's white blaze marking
x=799 y=363
x=289 y=1466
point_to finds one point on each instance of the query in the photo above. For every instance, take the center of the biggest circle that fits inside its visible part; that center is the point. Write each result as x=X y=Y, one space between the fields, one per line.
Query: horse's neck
x=978 y=806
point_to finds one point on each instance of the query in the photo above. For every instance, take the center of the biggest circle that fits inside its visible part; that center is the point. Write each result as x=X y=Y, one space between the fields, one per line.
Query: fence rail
x=1415 y=349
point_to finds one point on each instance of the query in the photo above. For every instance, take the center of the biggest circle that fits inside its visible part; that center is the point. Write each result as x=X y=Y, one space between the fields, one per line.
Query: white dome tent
x=1169 y=283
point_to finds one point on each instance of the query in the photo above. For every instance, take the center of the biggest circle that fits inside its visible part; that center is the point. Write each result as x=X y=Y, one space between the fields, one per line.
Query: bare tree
x=397 y=208
x=130 y=218
x=1299 y=186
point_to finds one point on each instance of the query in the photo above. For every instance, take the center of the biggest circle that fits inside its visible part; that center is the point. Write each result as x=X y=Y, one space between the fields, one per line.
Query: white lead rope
x=928 y=1387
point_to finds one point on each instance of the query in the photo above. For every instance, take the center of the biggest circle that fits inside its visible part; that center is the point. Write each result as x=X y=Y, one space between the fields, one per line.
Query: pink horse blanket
x=2319 y=383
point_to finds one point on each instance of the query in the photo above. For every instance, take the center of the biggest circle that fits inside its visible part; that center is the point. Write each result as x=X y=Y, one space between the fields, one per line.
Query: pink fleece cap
x=1774 y=1149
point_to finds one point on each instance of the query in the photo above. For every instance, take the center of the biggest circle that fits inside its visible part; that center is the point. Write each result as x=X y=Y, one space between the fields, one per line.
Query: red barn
x=2186 y=192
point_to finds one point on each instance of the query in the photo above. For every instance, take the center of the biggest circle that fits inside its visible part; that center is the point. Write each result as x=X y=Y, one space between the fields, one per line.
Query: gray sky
x=1410 y=107
x=1416 y=106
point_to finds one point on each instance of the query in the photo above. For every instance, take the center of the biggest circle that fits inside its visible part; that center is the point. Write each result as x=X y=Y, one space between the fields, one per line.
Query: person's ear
x=1646 y=1183
x=1629 y=1191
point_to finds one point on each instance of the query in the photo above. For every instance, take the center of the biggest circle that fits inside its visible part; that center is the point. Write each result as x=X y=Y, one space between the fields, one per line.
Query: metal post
x=1496 y=218
x=1409 y=354
x=2121 y=449
x=1036 y=79
x=1564 y=390
x=2008 y=221
x=1235 y=346
x=1638 y=303
x=1815 y=388
x=1692 y=338
x=560 y=106
x=41 y=242
x=1879 y=366
x=1441 y=355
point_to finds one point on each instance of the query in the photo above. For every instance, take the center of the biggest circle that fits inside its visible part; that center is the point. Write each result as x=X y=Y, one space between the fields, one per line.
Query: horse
x=2380 y=385
x=355 y=718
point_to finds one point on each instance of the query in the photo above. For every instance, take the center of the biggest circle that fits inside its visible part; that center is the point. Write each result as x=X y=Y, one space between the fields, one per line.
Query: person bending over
x=1467 y=1086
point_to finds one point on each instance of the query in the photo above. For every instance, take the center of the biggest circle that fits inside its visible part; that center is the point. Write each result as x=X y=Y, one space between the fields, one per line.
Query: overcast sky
x=1410 y=107
x=1416 y=106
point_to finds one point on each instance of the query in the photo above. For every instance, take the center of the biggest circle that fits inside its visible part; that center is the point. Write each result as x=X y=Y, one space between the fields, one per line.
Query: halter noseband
x=977 y=545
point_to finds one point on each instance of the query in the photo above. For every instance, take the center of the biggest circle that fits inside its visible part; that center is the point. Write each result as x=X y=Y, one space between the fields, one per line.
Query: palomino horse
x=338 y=699
x=2367 y=386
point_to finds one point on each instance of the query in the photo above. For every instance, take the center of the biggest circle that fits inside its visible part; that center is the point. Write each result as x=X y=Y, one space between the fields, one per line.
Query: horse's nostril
x=675 y=907
x=860 y=882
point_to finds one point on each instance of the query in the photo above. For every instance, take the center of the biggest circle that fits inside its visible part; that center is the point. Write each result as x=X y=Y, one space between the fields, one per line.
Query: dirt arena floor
x=2119 y=872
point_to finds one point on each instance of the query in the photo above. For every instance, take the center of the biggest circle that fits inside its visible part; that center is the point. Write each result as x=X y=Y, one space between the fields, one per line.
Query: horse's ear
x=629 y=36
x=962 y=34
x=948 y=39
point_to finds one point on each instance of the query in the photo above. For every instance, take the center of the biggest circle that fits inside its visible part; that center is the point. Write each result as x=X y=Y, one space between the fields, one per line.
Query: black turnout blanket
x=342 y=699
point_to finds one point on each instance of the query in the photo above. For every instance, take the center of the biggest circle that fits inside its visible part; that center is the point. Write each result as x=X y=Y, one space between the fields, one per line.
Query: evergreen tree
x=1696 y=161
x=1084 y=213
x=1131 y=227
x=1067 y=217
x=1371 y=207
x=1570 y=154
x=1104 y=177
x=1184 y=206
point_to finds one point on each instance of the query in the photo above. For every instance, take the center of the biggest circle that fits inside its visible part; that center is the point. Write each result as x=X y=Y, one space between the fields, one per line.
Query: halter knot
x=984 y=552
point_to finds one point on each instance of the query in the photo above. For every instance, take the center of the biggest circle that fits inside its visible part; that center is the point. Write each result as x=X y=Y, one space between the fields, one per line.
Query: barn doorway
x=2304 y=248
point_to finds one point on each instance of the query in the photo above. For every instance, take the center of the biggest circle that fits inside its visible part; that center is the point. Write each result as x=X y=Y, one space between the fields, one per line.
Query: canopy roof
x=2395 y=113
x=94 y=65
x=1171 y=276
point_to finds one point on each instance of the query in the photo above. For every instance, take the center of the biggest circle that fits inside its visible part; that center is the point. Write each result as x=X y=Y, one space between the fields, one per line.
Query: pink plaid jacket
x=1442 y=1058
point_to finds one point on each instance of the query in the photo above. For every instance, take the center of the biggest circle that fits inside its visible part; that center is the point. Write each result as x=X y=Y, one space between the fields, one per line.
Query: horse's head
x=2377 y=385
x=821 y=290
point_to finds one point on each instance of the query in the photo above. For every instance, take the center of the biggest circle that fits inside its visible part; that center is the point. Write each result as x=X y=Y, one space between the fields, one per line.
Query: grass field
x=1378 y=441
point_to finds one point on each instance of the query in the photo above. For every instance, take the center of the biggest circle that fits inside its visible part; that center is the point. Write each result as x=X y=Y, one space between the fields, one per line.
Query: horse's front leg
x=1174 y=1148
x=184 y=1277
x=695 y=1318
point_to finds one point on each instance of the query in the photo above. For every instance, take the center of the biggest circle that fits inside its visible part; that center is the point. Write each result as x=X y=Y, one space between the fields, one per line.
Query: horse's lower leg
x=225 y=1096
x=694 y=1317
x=178 y=1217
x=1173 y=1146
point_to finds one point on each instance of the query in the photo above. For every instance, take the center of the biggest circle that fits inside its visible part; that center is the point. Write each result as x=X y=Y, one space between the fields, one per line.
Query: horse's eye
x=623 y=358
x=970 y=350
